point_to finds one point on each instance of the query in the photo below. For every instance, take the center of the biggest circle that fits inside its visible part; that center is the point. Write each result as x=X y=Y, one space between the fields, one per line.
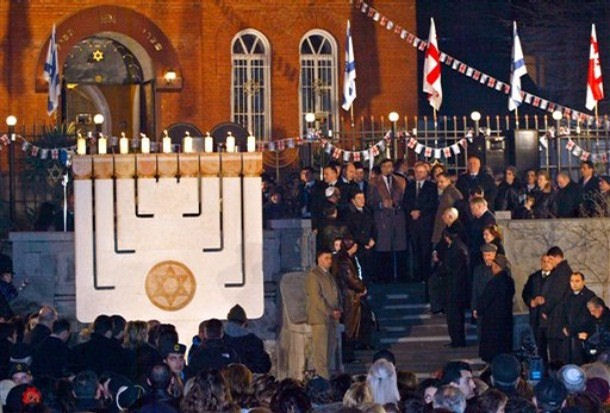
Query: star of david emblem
x=54 y=174
x=170 y=285
x=98 y=55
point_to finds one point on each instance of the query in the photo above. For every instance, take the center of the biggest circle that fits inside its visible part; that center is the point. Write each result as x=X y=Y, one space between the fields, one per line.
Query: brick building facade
x=193 y=39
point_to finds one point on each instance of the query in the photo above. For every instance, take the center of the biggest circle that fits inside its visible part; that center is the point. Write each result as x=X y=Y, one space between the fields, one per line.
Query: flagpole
x=517 y=118
x=351 y=115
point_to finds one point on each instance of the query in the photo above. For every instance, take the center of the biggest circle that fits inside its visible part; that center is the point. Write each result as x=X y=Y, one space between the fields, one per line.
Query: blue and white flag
x=51 y=75
x=517 y=69
x=349 y=79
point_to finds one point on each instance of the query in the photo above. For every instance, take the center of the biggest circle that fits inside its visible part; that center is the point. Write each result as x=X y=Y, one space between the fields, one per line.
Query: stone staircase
x=417 y=338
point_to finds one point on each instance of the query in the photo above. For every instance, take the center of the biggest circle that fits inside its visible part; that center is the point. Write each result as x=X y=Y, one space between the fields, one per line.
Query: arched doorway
x=102 y=75
x=138 y=35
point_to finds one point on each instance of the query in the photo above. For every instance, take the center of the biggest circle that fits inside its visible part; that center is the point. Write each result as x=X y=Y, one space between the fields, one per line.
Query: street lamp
x=393 y=117
x=11 y=121
x=98 y=119
x=476 y=117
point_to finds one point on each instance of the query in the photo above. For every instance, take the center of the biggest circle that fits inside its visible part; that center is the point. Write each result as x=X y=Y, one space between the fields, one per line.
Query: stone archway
x=135 y=30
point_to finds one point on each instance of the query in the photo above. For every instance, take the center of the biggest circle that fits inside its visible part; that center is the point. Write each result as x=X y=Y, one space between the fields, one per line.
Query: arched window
x=318 y=82
x=251 y=85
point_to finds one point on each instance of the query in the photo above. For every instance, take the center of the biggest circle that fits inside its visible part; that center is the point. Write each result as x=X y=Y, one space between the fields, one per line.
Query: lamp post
x=393 y=117
x=557 y=115
x=476 y=117
x=11 y=121
x=310 y=118
x=98 y=119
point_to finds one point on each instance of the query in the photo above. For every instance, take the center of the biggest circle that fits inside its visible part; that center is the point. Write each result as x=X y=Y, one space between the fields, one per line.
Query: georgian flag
x=517 y=69
x=51 y=75
x=349 y=77
x=595 y=84
x=432 y=70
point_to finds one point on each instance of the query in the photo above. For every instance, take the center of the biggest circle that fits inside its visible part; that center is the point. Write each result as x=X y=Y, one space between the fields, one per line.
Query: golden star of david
x=170 y=285
x=98 y=55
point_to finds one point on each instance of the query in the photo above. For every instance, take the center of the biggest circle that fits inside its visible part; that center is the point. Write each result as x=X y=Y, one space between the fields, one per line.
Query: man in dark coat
x=455 y=264
x=482 y=218
x=554 y=292
x=52 y=356
x=346 y=186
x=319 y=201
x=306 y=187
x=567 y=198
x=101 y=353
x=385 y=196
x=420 y=203
x=360 y=224
x=576 y=318
x=474 y=177
x=246 y=344
x=46 y=317
x=532 y=296
x=589 y=184
x=449 y=196
x=213 y=352
x=495 y=312
x=481 y=276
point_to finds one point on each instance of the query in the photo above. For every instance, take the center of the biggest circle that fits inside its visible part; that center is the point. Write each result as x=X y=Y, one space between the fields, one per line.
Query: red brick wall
x=201 y=34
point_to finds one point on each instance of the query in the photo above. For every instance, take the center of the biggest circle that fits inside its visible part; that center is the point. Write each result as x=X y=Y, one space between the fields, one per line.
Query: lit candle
x=251 y=143
x=230 y=142
x=102 y=145
x=81 y=145
x=187 y=143
x=208 y=143
x=123 y=144
x=145 y=143
x=167 y=142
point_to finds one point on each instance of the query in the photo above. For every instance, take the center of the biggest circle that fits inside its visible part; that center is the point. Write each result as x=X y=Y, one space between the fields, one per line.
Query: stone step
x=418 y=330
x=422 y=339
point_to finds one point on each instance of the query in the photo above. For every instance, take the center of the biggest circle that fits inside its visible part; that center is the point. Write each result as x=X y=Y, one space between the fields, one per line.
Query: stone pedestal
x=46 y=259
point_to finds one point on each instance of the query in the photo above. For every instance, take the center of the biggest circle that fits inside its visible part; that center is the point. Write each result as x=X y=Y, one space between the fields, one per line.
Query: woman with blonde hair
x=383 y=382
x=544 y=196
x=139 y=354
x=358 y=395
x=239 y=380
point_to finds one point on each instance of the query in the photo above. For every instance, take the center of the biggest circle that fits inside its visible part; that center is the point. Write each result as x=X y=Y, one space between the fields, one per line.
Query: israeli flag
x=349 y=79
x=517 y=69
x=51 y=75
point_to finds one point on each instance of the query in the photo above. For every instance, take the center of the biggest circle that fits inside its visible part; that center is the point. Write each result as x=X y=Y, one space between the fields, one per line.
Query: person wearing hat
x=173 y=356
x=20 y=373
x=247 y=345
x=603 y=198
x=481 y=275
x=495 y=312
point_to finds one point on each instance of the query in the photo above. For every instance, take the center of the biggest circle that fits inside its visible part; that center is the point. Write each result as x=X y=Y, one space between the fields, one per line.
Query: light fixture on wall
x=170 y=76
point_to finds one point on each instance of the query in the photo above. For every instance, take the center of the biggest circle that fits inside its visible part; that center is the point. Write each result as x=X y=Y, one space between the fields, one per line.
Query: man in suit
x=346 y=186
x=589 y=184
x=448 y=196
x=319 y=201
x=554 y=292
x=359 y=221
x=481 y=217
x=360 y=177
x=385 y=198
x=532 y=297
x=307 y=183
x=567 y=199
x=420 y=203
x=476 y=177
x=322 y=312
x=576 y=318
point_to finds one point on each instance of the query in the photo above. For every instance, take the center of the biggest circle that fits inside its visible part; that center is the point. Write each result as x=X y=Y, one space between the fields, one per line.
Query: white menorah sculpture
x=173 y=237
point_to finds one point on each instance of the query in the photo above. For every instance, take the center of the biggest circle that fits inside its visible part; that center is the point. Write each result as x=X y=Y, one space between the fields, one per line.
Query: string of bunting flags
x=62 y=154
x=410 y=140
x=469 y=71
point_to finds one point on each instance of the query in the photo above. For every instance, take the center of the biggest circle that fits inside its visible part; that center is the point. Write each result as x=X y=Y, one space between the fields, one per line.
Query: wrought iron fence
x=562 y=144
